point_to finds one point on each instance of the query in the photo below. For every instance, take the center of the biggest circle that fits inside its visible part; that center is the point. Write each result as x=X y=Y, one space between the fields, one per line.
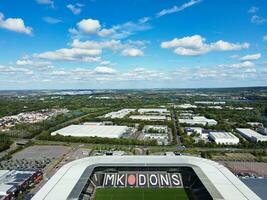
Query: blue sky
x=77 y=44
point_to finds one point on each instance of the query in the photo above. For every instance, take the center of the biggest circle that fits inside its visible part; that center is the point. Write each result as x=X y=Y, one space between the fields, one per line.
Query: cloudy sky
x=93 y=44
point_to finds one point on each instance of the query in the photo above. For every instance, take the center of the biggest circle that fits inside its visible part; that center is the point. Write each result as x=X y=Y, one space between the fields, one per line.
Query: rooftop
x=223 y=135
x=92 y=131
x=218 y=180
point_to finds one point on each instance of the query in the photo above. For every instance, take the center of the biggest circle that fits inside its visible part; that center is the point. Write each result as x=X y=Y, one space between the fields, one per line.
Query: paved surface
x=39 y=152
x=257 y=168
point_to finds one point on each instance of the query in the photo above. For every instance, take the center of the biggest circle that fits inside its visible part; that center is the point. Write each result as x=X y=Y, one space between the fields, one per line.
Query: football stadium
x=144 y=178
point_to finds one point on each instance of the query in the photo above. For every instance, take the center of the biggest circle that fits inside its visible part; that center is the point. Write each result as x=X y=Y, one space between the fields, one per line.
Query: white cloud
x=52 y=20
x=59 y=73
x=75 y=8
x=132 y=52
x=106 y=32
x=7 y=70
x=36 y=64
x=105 y=62
x=195 y=45
x=264 y=38
x=14 y=24
x=243 y=64
x=253 y=9
x=91 y=44
x=257 y=19
x=143 y=74
x=73 y=54
x=89 y=26
x=104 y=70
x=94 y=27
x=234 y=56
x=46 y=2
x=129 y=48
x=175 y=9
x=251 y=57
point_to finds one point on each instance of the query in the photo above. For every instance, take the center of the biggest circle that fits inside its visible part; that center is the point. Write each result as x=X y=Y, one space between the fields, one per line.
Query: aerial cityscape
x=133 y=99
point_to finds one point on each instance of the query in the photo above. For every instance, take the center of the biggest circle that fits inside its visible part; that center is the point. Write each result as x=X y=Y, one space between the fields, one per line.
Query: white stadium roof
x=92 y=131
x=218 y=180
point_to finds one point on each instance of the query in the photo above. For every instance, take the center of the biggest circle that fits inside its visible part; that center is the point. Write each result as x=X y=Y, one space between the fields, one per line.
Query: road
x=175 y=124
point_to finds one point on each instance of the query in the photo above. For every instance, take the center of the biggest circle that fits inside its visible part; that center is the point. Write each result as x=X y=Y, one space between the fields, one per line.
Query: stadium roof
x=92 y=131
x=69 y=181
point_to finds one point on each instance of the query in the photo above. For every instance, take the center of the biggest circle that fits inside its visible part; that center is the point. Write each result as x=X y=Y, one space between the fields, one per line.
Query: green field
x=140 y=194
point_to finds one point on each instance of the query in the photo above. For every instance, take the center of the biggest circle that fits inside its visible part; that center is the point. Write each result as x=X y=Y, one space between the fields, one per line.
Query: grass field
x=140 y=194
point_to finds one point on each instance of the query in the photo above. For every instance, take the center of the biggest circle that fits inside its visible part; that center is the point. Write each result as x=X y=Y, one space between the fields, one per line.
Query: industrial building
x=94 y=131
x=203 y=179
x=198 y=120
x=153 y=110
x=185 y=106
x=262 y=130
x=149 y=117
x=251 y=135
x=14 y=181
x=210 y=102
x=226 y=138
x=160 y=133
x=204 y=134
x=119 y=114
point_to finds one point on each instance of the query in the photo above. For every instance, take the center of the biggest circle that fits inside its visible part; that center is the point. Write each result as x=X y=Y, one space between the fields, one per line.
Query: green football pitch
x=140 y=194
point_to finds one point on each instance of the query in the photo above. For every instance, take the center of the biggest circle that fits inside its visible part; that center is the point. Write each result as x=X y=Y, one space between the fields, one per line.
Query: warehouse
x=210 y=102
x=160 y=133
x=185 y=106
x=198 y=120
x=204 y=134
x=94 y=131
x=251 y=135
x=119 y=114
x=153 y=110
x=149 y=117
x=223 y=138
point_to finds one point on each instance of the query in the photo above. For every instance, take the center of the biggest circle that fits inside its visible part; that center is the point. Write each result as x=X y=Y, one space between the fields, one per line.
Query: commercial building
x=149 y=117
x=119 y=114
x=153 y=110
x=210 y=102
x=185 y=106
x=224 y=138
x=204 y=134
x=262 y=130
x=203 y=179
x=198 y=120
x=156 y=132
x=14 y=181
x=94 y=131
x=251 y=135
x=255 y=124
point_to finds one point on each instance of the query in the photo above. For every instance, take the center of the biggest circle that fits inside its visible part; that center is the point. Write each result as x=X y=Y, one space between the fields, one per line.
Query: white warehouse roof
x=119 y=114
x=213 y=175
x=149 y=110
x=251 y=134
x=148 y=117
x=92 y=131
x=224 y=138
x=198 y=120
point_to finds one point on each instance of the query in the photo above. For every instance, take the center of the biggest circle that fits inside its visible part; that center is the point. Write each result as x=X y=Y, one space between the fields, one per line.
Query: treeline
x=5 y=142
x=96 y=140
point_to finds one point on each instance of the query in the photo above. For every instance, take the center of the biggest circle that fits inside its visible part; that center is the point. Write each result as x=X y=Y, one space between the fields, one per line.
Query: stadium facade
x=202 y=178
